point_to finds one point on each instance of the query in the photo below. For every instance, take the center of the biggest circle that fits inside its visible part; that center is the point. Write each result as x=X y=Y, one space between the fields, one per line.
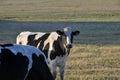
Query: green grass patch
x=60 y=10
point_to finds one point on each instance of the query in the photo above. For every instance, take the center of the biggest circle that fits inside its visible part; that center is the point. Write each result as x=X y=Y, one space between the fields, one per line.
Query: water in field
x=97 y=33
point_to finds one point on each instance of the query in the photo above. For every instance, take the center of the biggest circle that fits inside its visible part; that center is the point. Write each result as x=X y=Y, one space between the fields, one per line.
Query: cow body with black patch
x=55 y=45
x=20 y=62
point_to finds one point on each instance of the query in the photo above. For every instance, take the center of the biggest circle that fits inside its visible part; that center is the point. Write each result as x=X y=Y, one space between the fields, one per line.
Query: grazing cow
x=20 y=62
x=55 y=45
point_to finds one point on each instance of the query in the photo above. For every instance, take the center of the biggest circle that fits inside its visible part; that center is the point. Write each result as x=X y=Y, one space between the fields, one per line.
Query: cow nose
x=69 y=46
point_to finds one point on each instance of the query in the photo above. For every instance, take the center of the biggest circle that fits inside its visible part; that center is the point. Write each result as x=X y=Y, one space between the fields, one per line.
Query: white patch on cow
x=23 y=36
x=61 y=60
x=69 y=40
x=39 y=34
x=68 y=32
x=38 y=44
x=52 y=37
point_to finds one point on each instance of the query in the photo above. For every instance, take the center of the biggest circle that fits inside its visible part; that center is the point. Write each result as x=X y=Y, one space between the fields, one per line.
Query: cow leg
x=62 y=72
x=54 y=74
x=53 y=71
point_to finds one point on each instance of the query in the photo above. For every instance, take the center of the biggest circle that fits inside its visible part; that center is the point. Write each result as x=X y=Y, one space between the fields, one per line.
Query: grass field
x=96 y=52
x=90 y=62
x=60 y=10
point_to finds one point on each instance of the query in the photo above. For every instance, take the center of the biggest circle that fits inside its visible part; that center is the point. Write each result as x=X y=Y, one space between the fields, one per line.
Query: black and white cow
x=55 y=45
x=20 y=62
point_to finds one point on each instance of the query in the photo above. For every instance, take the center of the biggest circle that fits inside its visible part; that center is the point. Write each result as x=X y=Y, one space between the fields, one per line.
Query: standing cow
x=55 y=45
x=20 y=62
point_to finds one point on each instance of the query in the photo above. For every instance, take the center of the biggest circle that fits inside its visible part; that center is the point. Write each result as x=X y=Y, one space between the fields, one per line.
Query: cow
x=23 y=62
x=55 y=45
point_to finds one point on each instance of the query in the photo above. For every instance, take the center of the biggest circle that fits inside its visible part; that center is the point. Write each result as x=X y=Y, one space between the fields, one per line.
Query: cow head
x=66 y=37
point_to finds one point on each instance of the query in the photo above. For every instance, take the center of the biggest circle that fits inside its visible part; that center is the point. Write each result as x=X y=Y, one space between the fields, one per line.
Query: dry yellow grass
x=89 y=62
x=60 y=10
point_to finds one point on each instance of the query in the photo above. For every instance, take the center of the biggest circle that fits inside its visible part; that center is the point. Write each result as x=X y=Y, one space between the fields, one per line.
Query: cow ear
x=60 y=32
x=76 y=32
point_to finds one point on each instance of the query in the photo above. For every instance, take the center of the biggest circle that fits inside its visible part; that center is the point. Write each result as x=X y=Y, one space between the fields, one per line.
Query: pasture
x=96 y=51
x=60 y=10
